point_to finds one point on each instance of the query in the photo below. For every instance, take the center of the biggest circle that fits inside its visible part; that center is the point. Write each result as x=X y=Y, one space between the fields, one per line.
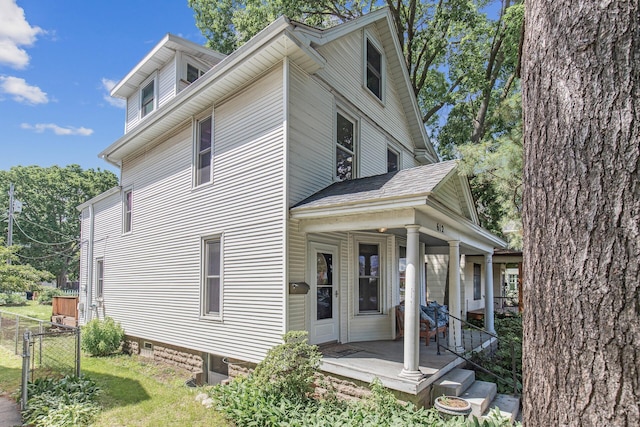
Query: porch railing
x=477 y=341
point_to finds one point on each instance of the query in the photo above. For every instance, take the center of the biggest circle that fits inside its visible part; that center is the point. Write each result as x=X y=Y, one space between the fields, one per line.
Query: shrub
x=290 y=366
x=13 y=298
x=101 y=338
x=45 y=297
x=71 y=401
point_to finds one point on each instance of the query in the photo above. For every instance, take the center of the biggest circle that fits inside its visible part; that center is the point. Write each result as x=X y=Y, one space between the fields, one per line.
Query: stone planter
x=452 y=406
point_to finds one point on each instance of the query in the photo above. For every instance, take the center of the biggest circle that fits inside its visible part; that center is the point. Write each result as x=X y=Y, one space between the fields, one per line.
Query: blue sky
x=57 y=60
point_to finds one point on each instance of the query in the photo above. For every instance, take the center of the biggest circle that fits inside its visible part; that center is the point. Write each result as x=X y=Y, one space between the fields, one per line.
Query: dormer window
x=147 y=98
x=193 y=73
x=374 y=78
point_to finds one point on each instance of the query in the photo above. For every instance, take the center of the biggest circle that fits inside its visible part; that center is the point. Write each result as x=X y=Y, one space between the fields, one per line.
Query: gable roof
x=157 y=57
x=386 y=27
x=282 y=38
x=415 y=182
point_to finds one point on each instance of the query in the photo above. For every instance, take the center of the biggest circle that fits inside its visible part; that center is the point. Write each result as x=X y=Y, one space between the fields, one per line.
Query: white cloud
x=108 y=84
x=21 y=91
x=15 y=32
x=58 y=130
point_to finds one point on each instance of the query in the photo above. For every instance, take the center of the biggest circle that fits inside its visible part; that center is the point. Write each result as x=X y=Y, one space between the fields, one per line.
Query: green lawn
x=136 y=392
x=32 y=309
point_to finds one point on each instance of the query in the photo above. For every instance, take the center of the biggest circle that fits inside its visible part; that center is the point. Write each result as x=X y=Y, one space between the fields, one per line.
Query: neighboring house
x=299 y=159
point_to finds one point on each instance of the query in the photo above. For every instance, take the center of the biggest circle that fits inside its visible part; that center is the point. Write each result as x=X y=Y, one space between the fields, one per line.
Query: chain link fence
x=47 y=349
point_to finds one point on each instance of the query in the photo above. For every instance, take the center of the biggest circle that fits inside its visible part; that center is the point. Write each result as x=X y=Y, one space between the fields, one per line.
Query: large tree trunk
x=581 y=99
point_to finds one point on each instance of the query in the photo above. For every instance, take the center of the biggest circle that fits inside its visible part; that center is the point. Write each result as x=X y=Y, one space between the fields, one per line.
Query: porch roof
x=413 y=182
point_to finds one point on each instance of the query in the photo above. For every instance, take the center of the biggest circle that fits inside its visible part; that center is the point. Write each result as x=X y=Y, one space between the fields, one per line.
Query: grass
x=136 y=392
x=31 y=309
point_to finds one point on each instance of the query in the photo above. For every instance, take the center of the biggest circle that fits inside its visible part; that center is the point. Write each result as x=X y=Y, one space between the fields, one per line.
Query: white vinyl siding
x=167 y=88
x=347 y=78
x=437 y=268
x=448 y=195
x=154 y=279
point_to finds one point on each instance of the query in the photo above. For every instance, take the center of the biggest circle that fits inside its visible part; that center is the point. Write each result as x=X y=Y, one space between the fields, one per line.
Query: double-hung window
x=127 y=210
x=204 y=150
x=212 y=277
x=345 y=148
x=374 y=61
x=393 y=160
x=99 y=277
x=148 y=98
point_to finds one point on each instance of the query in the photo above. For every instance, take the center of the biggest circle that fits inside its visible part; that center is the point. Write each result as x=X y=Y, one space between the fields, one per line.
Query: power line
x=47 y=228
x=39 y=242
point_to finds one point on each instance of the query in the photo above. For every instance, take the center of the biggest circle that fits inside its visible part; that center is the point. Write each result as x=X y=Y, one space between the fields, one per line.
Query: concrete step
x=454 y=383
x=508 y=405
x=480 y=395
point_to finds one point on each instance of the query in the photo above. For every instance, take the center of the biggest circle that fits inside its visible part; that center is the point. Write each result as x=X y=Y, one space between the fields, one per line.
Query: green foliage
x=289 y=367
x=13 y=298
x=509 y=329
x=276 y=395
x=45 y=296
x=15 y=277
x=71 y=401
x=48 y=229
x=102 y=337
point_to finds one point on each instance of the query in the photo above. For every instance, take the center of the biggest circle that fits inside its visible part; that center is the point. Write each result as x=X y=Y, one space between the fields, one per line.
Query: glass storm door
x=324 y=304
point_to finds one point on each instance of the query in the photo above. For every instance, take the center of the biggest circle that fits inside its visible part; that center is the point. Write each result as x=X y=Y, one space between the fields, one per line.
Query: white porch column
x=412 y=307
x=488 y=293
x=455 y=333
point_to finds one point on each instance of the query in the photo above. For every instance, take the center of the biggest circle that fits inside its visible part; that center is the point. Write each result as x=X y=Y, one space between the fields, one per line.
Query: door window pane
x=369 y=283
x=324 y=284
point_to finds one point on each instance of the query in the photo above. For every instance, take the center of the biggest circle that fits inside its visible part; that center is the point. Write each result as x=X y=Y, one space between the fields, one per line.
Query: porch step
x=508 y=405
x=480 y=395
x=454 y=383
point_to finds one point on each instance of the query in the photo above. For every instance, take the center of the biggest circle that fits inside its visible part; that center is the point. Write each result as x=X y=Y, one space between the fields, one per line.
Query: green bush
x=509 y=331
x=278 y=394
x=13 y=298
x=45 y=297
x=101 y=338
x=71 y=401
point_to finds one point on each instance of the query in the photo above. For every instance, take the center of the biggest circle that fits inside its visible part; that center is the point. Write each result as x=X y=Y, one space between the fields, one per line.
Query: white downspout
x=89 y=290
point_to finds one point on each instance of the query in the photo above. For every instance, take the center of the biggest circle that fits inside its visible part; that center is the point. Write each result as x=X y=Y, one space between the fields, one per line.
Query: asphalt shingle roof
x=406 y=182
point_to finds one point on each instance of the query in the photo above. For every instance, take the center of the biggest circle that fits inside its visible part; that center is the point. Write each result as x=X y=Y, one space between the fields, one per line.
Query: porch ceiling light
x=382 y=229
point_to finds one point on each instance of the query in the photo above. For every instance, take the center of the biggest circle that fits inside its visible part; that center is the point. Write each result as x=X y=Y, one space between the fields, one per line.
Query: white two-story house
x=287 y=186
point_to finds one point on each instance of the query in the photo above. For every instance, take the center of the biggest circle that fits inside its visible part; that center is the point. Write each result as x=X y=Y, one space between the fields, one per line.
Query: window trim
x=127 y=220
x=185 y=61
x=368 y=38
x=383 y=279
x=204 y=315
x=99 y=278
x=356 y=143
x=152 y=78
x=196 y=148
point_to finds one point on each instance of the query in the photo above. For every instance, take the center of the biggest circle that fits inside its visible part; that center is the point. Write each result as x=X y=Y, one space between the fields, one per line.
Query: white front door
x=323 y=274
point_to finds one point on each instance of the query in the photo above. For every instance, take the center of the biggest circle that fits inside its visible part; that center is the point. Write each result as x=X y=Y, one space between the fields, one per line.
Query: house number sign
x=440 y=227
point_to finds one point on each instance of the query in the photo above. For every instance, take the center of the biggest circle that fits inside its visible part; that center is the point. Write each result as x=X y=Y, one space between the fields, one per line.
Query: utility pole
x=10 y=231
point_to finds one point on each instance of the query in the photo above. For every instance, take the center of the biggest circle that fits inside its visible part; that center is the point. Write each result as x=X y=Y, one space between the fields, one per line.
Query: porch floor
x=384 y=360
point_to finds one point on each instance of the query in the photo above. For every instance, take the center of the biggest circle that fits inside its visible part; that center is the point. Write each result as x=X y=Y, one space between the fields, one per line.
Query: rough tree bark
x=581 y=99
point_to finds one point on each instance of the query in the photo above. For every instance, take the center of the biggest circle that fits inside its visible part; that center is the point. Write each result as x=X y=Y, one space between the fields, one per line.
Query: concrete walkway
x=9 y=413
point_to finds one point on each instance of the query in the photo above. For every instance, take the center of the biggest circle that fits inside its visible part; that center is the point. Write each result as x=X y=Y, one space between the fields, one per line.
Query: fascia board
x=359 y=208
x=99 y=197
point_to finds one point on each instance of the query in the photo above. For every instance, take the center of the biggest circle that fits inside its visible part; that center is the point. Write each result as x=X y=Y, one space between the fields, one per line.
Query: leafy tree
x=48 y=229
x=462 y=64
x=581 y=103
x=15 y=277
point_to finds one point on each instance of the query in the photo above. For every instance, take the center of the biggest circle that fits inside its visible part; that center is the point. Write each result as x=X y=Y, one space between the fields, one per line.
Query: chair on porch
x=428 y=327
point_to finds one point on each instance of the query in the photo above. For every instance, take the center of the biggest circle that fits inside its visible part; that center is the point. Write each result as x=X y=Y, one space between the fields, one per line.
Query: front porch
x=365 y=361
